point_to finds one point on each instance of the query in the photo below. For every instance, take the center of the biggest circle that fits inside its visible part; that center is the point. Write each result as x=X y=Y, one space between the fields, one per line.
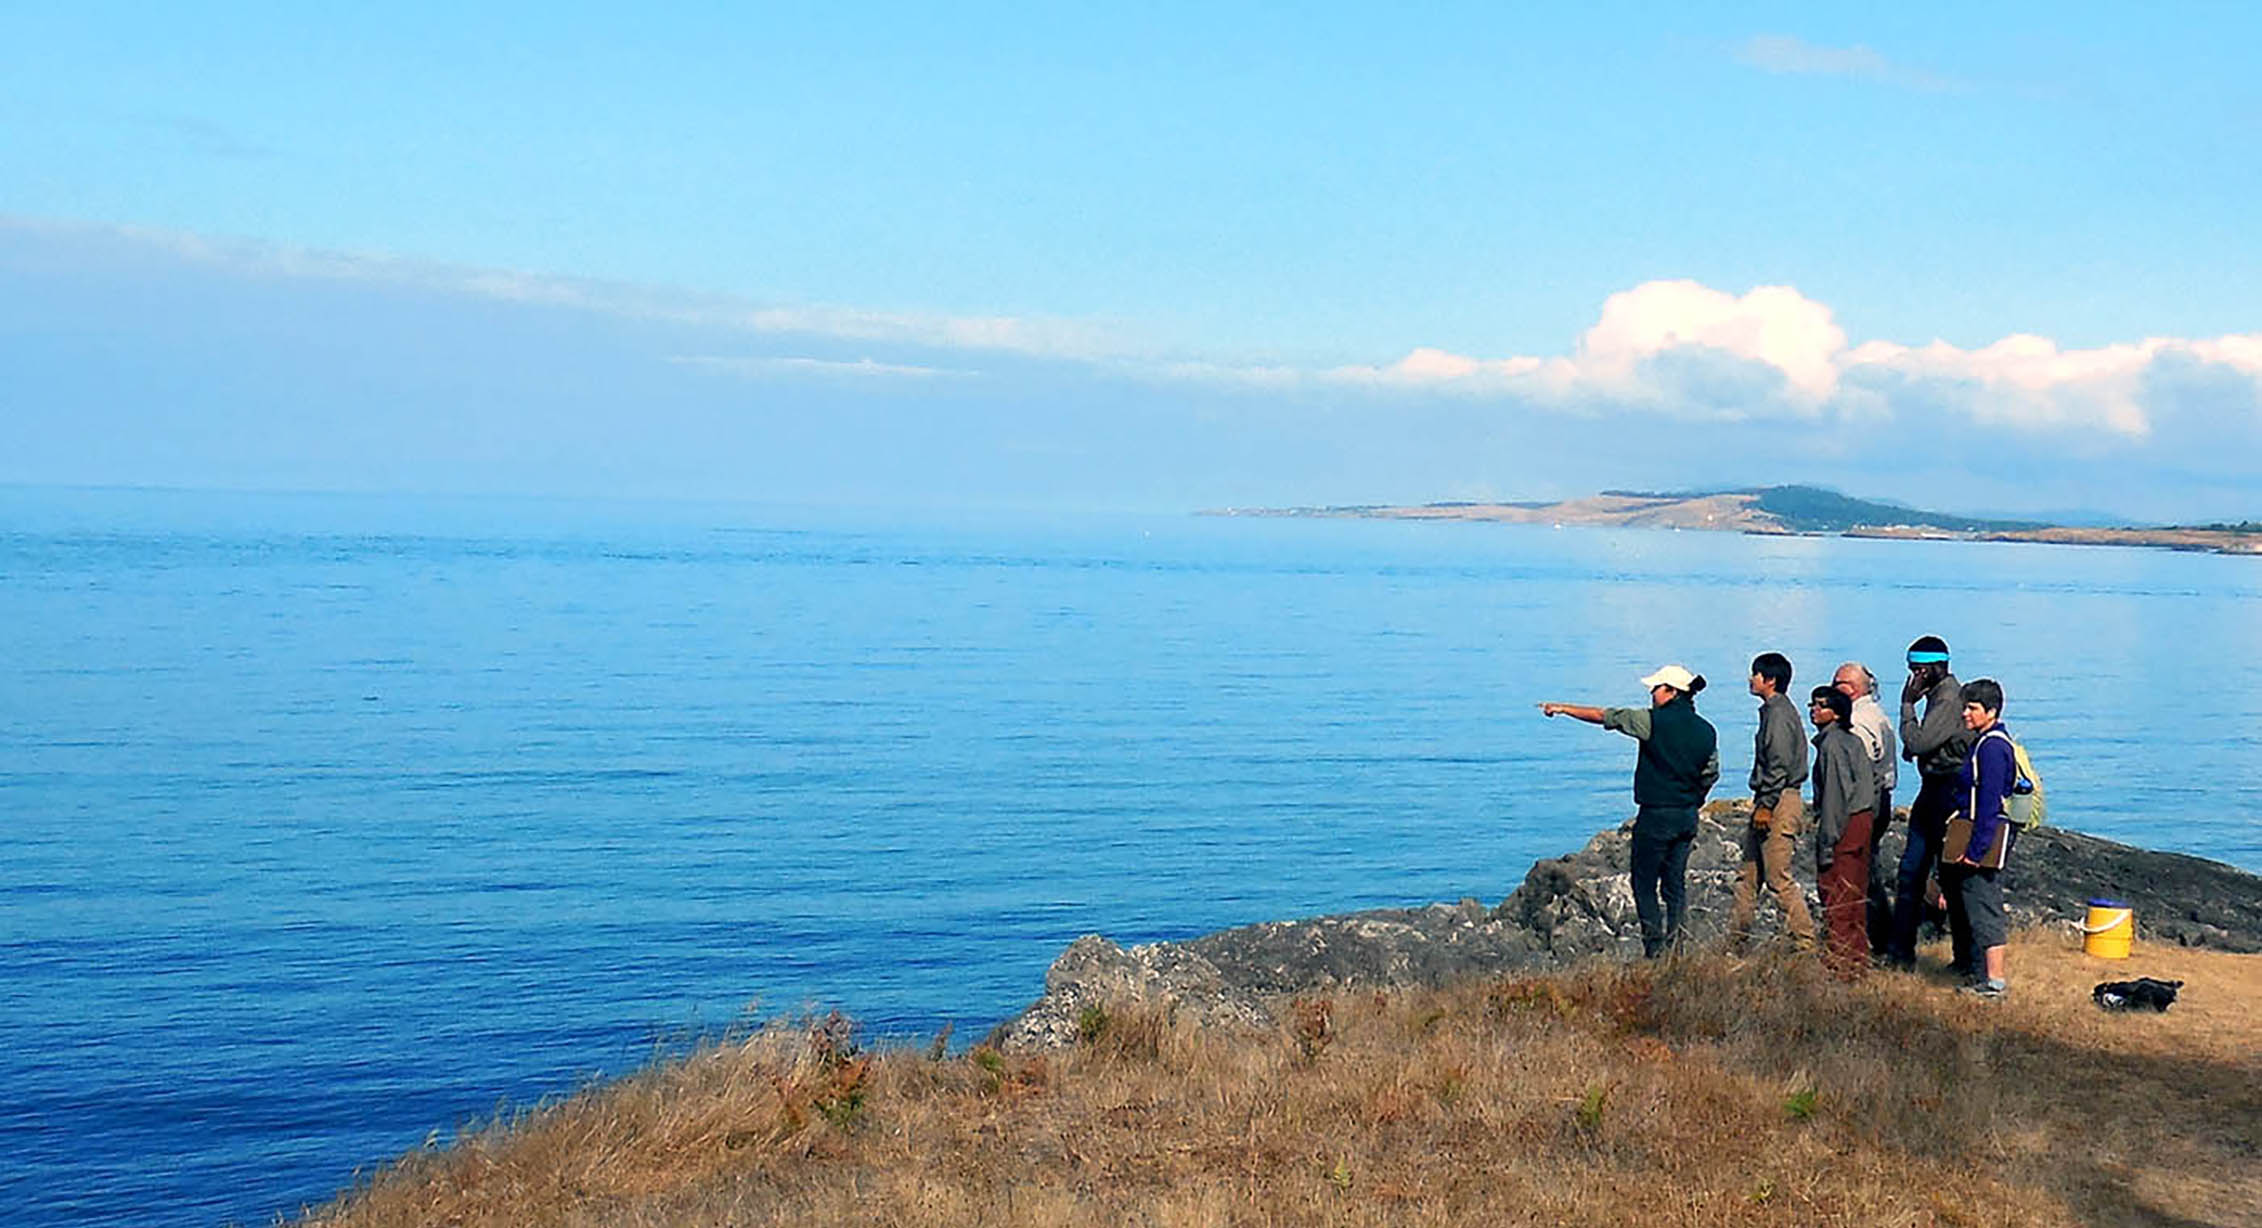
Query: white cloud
x=1428 y=366
x=1672 y=348
x=2025 y=380
x=1687 y=350
x=1784 y=53
x=1773 y=325
x=2029 y=381
x=1650 y=346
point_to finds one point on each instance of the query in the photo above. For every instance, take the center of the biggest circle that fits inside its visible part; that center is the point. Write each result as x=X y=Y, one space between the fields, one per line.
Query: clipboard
x=1956 y=842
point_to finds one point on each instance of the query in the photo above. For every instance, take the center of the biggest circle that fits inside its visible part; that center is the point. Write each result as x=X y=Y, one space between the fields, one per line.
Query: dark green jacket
x=1680 y=753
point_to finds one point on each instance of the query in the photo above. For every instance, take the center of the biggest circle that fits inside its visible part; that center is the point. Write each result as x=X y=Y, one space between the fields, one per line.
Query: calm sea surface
x=328 y=823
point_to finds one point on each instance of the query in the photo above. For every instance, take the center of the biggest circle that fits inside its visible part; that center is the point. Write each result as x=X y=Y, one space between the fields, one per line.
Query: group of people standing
x=1871 y=912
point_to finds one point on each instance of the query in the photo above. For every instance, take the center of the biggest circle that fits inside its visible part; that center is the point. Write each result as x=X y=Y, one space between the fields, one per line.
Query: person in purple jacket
x=1972 y=882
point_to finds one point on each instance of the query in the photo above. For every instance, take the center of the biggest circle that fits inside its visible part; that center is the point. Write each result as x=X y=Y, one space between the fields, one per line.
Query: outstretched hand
x=1550 y=709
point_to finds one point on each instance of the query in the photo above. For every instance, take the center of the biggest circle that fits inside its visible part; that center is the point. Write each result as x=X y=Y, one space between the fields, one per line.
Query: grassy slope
x=1674 y=1094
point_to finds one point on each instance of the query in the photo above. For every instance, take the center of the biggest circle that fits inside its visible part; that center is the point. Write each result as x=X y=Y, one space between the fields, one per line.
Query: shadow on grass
x=1991 y=1087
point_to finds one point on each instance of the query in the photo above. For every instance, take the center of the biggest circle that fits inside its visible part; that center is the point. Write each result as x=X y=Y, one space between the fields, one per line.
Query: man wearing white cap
x=1678 y=764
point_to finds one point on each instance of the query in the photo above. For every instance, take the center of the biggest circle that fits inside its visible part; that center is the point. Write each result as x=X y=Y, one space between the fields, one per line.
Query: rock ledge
x=1579 y=907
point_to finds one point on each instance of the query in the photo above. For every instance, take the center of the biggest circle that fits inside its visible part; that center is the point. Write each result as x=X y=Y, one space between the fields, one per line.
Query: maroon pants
x=1844 y=887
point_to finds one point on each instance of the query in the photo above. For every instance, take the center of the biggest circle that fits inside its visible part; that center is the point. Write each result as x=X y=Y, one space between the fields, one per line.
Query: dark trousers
x=1975 y=912
x=1844 y=886
x=1928 y=823
x=1660 y=865
x=1952 y=880
x=1881 y=878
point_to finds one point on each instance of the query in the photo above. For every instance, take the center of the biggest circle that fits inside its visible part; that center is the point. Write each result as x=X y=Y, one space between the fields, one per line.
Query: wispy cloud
x=1668 y=349
x=1032 y=336
x=1785 y=53
x=771 y=367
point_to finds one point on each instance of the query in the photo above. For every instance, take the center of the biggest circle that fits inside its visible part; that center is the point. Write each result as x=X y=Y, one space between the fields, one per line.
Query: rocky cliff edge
x=1580 y=907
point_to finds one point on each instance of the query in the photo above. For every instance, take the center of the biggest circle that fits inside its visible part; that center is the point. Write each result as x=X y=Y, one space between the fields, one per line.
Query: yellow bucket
x=2107 y=932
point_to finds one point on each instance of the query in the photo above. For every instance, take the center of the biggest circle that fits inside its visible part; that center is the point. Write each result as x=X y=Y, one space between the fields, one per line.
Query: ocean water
x=328 y=824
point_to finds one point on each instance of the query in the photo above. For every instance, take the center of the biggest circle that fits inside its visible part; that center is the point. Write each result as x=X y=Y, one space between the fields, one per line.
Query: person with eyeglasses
x=1845 y=792
x=1875 y=729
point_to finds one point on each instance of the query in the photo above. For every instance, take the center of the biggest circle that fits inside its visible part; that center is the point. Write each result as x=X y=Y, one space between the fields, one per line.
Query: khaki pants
x=1769 y=852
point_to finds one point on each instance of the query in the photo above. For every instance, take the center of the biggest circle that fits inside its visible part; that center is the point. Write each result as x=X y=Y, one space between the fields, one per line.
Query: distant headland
x=1792 y=510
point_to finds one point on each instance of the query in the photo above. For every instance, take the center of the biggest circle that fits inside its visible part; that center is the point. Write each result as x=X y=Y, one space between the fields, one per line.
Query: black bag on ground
x=2143 y=993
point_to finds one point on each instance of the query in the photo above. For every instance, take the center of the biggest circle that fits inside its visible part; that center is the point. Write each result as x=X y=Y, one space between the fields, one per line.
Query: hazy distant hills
x=1815 y=509
x=1791 y=510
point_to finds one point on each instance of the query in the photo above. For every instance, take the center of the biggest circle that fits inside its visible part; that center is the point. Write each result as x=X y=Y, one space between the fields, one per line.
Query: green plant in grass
x=1591 y=1105
x=992 y=1065
x=1801 y=1104
x=1091 y=1023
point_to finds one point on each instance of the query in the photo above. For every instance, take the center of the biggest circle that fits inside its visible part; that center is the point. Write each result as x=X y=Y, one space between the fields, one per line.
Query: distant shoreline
x=1785 y=511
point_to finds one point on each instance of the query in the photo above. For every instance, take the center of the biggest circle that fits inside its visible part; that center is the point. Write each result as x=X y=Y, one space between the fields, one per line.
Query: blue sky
x=1153 y=257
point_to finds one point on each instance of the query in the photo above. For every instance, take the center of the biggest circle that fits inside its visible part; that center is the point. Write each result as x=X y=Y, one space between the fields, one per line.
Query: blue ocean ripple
x=335 y=825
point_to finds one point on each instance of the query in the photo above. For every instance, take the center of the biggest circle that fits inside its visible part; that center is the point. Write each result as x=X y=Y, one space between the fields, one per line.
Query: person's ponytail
x=1696 y=684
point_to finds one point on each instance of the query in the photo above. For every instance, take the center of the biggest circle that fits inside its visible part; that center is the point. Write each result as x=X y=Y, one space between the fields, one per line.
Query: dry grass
x=1703 y=1091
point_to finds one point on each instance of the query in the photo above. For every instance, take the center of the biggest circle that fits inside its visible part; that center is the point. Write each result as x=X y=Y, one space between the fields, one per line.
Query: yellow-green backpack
x=2027 y=807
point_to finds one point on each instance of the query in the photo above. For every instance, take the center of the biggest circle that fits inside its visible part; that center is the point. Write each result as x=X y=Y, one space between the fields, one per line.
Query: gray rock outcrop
x=1581 y=906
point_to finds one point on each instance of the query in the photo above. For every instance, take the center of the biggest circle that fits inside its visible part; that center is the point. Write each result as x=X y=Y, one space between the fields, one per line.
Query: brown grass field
x=1704 y=1090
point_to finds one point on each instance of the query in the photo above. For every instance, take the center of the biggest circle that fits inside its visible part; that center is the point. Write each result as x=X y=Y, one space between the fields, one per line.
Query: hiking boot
x=1990 y=988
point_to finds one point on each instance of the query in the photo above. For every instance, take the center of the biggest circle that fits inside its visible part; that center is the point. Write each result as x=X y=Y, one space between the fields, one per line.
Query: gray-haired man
x=1874 y=726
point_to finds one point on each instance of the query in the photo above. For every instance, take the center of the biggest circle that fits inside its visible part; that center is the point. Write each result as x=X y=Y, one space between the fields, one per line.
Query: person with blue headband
x=1938 y=743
